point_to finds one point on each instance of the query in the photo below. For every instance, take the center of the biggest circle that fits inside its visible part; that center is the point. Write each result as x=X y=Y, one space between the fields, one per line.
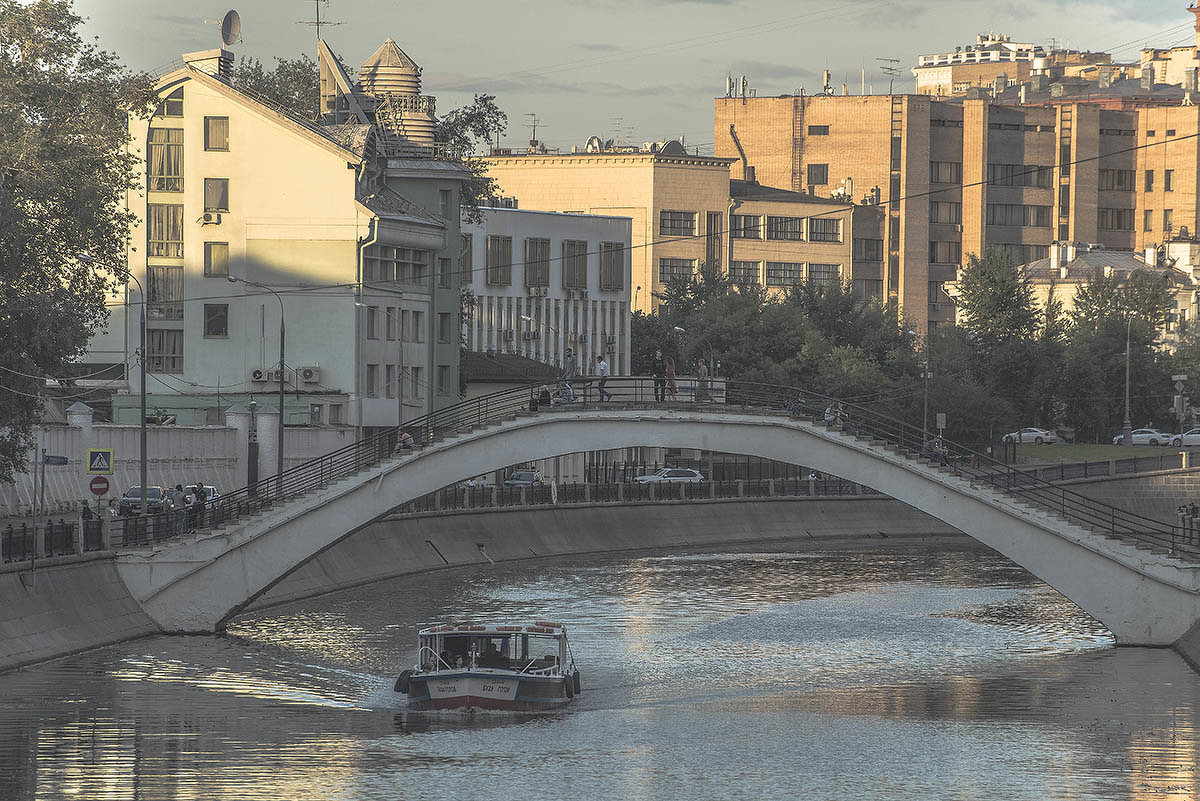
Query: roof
x=389 y=54
x=752 y=190
x=352 y=136
x=389 y=203
x=543 y=627
x=1087 y=263
x=505 y=368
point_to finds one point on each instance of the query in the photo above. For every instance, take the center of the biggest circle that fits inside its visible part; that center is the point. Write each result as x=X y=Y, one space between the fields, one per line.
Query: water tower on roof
x=393 y=81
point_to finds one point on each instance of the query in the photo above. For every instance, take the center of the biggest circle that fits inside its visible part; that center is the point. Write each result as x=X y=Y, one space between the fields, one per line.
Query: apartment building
x=956 y=176
x=540 y=282
x=686 y=213
x=251 y=212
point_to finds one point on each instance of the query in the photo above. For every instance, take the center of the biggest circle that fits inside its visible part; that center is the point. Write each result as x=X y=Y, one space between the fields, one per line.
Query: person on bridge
x=544 y=396
x=702 y=381
x=602 y=372
x=404 y=442
x=658 y=369
x=570 y=373
x=672 y=389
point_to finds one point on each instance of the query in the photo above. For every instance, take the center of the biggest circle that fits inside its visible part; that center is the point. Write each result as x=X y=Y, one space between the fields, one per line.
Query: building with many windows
x=686 y=213
x=537 y=283
x=348 y=230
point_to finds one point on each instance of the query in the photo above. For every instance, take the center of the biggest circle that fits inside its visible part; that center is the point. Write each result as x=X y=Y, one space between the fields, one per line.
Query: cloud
x=769 y=70
x=602 y=47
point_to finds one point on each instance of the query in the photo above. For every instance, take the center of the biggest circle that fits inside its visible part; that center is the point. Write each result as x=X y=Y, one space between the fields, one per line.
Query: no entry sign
x=99 y=485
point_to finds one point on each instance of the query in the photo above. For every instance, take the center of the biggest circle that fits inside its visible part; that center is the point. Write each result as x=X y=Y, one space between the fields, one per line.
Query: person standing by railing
x=570 y=373
x=658 y=369
x=602 y=372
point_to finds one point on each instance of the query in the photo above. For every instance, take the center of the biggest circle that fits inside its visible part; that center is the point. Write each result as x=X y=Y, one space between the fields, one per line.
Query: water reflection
x=904 y=672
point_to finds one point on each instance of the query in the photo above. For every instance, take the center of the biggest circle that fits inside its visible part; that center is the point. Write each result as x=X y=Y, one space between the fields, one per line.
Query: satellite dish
x=231 y=28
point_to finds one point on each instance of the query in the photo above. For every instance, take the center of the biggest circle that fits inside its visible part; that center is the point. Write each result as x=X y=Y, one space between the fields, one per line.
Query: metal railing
x=880 y=430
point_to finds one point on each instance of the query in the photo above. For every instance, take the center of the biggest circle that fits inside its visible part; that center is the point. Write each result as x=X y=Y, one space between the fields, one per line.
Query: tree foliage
x=469 y=130
x=64 y=174
x=293 y=83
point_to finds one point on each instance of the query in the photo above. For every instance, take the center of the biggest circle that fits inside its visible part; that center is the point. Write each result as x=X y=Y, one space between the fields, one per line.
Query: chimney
x=1151 y=256
x=1068 y=252
x=1024 y=88
x=1037 y=83
x=1104 y=79
x=1055 y=256
x=217 y=62
x=1147 y=76
x=748 y=173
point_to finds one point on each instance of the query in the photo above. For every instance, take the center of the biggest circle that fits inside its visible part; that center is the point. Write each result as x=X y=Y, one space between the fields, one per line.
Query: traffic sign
x=100 y=461
x=55 y=460
x=1180 y=377
x=99 y=485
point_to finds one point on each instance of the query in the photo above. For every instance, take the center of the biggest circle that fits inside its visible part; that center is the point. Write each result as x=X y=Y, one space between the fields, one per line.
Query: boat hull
x=508 y=692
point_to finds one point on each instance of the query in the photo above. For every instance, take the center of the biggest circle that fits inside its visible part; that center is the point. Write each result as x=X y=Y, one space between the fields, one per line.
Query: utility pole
x=1127 y=429
x=1181 y=402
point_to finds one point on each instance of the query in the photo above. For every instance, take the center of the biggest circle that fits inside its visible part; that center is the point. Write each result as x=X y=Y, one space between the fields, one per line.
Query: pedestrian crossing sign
x=100 y=461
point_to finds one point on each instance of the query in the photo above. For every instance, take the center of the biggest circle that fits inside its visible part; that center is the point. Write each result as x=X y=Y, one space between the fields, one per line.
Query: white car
x=1187 y=438
x=1038 y=436
x=672 y=475
x=1145 y=436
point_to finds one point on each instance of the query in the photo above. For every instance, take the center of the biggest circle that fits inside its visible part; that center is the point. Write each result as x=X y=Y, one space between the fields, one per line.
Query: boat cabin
x=538 y=648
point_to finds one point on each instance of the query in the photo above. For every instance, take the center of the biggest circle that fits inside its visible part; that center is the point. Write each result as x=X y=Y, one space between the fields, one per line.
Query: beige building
x=686 y=213
x=1175 y=65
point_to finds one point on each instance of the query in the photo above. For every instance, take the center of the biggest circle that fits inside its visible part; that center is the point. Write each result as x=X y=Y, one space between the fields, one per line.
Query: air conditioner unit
x=507 y=335
x=611 y=339
x=526 y=335
x=583 y=293
x=583 y=337
x=612 y=348
x=211 y=218
x=276 y=375
x=310 y=375
x=258 y=375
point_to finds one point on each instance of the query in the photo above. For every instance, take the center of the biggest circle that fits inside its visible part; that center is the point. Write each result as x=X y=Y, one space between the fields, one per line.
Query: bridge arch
x=1141 y=597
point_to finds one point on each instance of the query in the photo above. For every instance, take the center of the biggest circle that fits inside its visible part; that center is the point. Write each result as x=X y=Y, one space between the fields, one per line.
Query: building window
x=417 y=387
x=868 y=287
x=612 y=265
x=818 y=130
x=444 y=273
x=789 y=228
x=574 y=264
x=443 y=327
x=372 y=322
x=372 y=380
x=714 y=230
x=164 y=350
x=164 y=291
x=165 y=222
x=387 y=263
x=1024 y=254
x=537 y=262
x=466 y=260
x=1168 y=221
x=818 y=174
x=499 y=261
x=335 y=414
x=216 y=133
x=677 y=223
x=868 y=250
x=945 y=252
x=1168 y=180
x=746 y=226
x=743 y=273
x=897 y=152
x=418 y=327
x=444 y=199
x=389 y=323
x=824 y=274
x=1018 y=216
x=389 y=380
x=443 y=379
x=945 y=172
x=1149 y=180
x=1020 y=175
x=1148 y=220
x=216 y=194
x=944 y=212
x=216 y=258
x=1117 y=180
x=216 y=319
x=165 y=163
x=669 y=269
x=784 y=273
x=824 y=229
x=1115 y=219
x=173 y=105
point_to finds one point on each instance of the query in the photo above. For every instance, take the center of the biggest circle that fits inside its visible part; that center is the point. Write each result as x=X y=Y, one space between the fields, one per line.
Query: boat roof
x=542 y=627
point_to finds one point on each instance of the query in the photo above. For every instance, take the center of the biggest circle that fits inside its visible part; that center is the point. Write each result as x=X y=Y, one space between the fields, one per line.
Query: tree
x=64 y=174
x=468 y=130
x=292 y=84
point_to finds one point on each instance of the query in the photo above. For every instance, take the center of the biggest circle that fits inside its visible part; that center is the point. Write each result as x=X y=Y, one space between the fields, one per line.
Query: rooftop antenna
x=888 y=66
x=533 y=124
x=319 y=22
x=231 y=27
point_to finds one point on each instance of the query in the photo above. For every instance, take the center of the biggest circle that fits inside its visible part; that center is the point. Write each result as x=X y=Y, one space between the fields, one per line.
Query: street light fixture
x=712 y=357
x=546 y=323
x=233 y=279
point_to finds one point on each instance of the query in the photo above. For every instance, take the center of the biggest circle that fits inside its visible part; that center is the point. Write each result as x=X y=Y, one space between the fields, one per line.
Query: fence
x=27 y=542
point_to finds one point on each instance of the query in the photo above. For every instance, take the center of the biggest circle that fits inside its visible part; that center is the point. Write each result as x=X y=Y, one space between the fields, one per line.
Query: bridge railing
x=903 y=438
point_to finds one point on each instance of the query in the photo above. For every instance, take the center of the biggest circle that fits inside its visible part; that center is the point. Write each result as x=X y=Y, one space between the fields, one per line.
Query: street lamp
x=398 y=321
x=546 y=323
x=925 y=375
x=1127 y=429
x=712 y=358
x=233 y=279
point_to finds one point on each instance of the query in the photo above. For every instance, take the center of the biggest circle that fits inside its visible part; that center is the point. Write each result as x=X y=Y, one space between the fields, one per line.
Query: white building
x=544 y=281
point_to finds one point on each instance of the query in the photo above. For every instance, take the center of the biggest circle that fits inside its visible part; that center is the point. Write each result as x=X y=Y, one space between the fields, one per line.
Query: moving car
x=1145 y=436
x=524 y=478
x=672 y=475
x=1038 y=436
x=1187 y=438
x=131 y=501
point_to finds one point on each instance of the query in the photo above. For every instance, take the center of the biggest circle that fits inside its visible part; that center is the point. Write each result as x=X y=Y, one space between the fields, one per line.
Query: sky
x=623 y=69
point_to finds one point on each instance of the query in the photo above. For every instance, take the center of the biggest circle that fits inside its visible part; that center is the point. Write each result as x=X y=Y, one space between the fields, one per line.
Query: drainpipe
x=363 y=244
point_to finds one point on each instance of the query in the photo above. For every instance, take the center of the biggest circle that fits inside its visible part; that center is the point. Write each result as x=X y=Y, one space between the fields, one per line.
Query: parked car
x=131 y=501
x=672 y=475
x=1187 y=438
x=1038 y=436
x=524 y=478
x=210 y=492
x=1145 y=436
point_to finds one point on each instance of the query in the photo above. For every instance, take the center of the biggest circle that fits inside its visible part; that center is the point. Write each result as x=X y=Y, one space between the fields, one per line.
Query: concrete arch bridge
x=1139 y=577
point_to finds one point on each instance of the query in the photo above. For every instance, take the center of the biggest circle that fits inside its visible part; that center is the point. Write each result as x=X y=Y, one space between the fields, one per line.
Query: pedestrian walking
x=570 y=373
x=602 y=372
x=672 y=388
x=658 y=369
x=701 y=380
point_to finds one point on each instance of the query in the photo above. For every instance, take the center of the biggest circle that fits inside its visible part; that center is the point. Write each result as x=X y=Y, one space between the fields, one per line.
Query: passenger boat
x=514 y=668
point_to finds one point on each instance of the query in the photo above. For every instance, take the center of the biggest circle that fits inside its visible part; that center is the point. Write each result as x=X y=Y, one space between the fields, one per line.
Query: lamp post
x=233 y=279
x=545 y=323
x=398 y=321
x=712 y=357
x=925 y=375
x=1127 y=428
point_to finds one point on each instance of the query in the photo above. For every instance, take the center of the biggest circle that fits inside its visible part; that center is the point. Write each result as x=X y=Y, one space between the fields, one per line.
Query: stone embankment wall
x=1154 y=495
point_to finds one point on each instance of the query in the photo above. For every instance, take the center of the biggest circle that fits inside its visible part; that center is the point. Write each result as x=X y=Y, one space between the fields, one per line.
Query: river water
x=932 y=670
